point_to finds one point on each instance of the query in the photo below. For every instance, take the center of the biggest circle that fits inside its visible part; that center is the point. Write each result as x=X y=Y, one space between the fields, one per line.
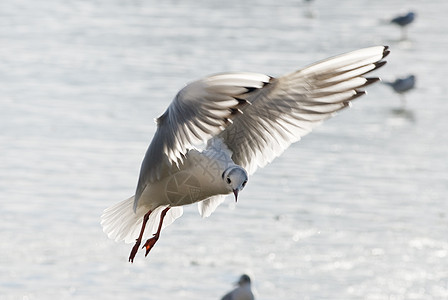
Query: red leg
x=139 y=240
x=152 y=241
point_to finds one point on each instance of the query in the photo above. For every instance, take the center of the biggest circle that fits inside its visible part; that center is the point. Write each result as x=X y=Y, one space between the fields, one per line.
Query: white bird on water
x=244 y=120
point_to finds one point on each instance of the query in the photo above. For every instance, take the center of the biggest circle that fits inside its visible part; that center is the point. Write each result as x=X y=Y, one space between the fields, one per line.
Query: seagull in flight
x=218 y=130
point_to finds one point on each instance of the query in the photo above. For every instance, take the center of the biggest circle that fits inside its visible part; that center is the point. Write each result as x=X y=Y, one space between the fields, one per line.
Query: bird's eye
x=228 y=180
x=244 y=183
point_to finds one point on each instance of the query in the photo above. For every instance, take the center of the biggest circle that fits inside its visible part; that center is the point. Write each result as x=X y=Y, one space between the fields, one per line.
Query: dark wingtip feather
x=380 y=64
x=250 y=89
x=234 y=111
x=357 y=95
x=241 y=101
x=386 y=51
x=370 y=80
x=227 y=122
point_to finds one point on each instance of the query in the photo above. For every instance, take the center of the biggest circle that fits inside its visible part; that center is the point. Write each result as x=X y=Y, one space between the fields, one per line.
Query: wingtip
x=386 y=51
x=380 y=64
x=371 y=80
x=357 y=94
x=235 y=111
x=242 y=102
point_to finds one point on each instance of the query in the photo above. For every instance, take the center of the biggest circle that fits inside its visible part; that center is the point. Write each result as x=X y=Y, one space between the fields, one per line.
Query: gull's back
x=242 y=292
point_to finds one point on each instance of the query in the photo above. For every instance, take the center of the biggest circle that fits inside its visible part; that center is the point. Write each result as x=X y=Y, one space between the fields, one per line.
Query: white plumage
x=246 y=120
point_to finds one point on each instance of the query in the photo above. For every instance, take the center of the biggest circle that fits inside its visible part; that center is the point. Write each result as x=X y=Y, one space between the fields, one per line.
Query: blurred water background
x=356 y=210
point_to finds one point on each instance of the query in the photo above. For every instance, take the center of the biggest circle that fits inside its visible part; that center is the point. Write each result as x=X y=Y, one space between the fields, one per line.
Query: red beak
x=235 y=192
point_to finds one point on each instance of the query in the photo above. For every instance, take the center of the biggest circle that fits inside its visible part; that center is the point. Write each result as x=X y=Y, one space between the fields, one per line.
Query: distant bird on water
x=402 y=85
x=242 y=292
x=242 y=121
x=309 y=12
x=403 y=22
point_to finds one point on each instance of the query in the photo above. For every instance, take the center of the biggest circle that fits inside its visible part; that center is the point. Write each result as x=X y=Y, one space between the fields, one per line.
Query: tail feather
x=120 y=222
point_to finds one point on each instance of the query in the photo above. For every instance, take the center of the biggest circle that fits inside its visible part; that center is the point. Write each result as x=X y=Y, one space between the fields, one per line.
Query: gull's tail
x=120 y=222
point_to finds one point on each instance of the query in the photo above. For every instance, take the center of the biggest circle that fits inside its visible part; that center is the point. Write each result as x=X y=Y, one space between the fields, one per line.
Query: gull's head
x=235 y=179
x=244 y=280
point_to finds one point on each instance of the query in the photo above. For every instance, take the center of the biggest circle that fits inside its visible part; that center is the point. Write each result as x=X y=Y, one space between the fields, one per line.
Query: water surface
x=356 y=210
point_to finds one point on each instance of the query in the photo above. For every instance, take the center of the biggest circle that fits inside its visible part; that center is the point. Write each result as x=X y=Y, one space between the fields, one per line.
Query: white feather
x=209 y=205
x=121 y=223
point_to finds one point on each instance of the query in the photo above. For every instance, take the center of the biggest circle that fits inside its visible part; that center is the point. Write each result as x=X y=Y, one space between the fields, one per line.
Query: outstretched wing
x=199 y=111
x=289 y=107
x=257 y=116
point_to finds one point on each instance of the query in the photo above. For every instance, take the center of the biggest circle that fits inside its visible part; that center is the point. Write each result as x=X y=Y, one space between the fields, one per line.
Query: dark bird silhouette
x=402 y=85
x=242 y=292
x=403 y=22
